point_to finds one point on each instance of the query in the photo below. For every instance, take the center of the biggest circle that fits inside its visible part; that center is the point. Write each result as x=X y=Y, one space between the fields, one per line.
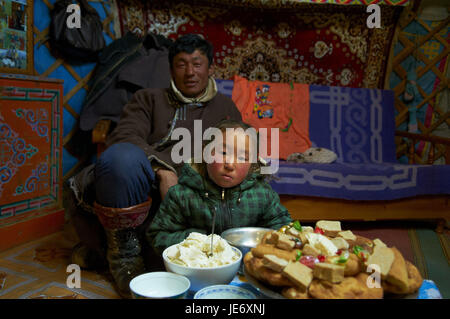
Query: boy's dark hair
x=189 y=43
x=224 y=124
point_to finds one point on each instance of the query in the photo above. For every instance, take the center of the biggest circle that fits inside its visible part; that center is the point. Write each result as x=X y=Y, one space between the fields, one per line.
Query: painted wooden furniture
x=30 y=158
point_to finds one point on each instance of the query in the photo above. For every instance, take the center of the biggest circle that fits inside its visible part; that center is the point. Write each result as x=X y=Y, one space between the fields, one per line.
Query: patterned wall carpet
x=312 y=44
x=273 y=40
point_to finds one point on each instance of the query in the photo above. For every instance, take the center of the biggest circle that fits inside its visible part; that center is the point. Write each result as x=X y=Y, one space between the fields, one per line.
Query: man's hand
x=166 y=179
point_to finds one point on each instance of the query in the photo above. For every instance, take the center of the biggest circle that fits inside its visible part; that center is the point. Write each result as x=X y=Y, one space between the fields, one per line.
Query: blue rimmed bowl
x=224 y=292
x=159 y=285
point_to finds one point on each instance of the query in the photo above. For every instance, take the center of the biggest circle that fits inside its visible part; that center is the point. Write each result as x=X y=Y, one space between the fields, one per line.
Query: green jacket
x=189 y=207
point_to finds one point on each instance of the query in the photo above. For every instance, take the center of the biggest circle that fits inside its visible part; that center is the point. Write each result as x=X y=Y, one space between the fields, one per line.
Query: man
x=138 y=156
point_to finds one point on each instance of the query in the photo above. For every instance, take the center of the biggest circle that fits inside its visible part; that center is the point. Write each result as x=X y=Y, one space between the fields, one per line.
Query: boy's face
x=226 y=171
x=190 y=72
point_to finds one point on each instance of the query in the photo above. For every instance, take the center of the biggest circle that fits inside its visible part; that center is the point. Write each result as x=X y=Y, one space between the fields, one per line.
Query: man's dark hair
x=189 y=43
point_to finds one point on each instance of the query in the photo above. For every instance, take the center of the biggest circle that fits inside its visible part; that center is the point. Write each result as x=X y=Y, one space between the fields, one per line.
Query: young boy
x=229 y=190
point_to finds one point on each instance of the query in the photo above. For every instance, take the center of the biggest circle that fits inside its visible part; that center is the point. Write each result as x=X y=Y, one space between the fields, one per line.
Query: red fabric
x=276 y=105
x=122 y=218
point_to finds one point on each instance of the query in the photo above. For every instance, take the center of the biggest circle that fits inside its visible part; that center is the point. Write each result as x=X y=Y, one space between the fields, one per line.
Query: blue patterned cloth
x=368 y=181
x=358 y=125
x=429 y=290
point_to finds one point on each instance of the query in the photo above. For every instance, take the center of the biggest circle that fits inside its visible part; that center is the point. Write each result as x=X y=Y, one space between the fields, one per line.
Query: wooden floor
x=38 y=270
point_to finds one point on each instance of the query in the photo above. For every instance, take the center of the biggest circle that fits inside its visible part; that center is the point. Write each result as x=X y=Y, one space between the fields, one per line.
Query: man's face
x=190 y=72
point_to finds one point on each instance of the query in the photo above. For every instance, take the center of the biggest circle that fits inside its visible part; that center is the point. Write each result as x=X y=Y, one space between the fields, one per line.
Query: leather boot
x=88 y=258
x=123 y=247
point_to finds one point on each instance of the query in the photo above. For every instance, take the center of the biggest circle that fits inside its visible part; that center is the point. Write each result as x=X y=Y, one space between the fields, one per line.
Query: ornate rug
x=39 y=270
x=277 y=42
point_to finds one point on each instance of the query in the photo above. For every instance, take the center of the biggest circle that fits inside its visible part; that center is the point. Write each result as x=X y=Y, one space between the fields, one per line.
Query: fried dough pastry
x=398 y=274
x=266 y=249
x=267 y=238
x=255 y=267
x=350 y=288
x=352 y=266
x=398 y=277
x=414 y=281
x=294 y=293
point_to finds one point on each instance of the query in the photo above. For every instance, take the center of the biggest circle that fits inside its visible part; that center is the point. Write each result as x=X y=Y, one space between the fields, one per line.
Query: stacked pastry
x=328 y=262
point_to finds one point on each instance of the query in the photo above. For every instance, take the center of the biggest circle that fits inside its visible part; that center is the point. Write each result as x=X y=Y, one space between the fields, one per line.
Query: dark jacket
x=149 y=119
x=189 y=207
x=126 y=65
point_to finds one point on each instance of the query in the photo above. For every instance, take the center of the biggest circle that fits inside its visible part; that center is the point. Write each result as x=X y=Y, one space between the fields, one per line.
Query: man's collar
x=209 y=94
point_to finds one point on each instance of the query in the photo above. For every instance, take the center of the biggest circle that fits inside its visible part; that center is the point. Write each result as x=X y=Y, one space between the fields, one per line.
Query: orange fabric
x=276 y=105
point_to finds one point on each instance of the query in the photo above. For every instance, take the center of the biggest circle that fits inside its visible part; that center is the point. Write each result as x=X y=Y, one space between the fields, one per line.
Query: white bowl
x=159 y=285
x=224 y=292
x=201 y=277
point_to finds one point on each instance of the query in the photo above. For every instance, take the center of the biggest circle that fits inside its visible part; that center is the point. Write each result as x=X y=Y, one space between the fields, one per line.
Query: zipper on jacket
x=226 y=212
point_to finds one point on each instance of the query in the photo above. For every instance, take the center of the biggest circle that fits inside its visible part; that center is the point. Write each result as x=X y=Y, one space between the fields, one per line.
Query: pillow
x=275 y=105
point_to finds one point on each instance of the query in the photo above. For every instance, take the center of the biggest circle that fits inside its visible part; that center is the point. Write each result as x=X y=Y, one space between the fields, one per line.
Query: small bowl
x=244 y=238
x=159 y=285
x=224 y=292
x=202 y=277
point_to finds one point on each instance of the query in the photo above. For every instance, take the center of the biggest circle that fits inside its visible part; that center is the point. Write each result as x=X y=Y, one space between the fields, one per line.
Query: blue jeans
x=123 y=176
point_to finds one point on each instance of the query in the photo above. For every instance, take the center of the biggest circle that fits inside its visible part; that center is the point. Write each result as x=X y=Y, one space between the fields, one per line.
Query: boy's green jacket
x=189 y=207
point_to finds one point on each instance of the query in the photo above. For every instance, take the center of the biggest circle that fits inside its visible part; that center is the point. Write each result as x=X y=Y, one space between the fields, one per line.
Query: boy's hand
x=166 y=179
